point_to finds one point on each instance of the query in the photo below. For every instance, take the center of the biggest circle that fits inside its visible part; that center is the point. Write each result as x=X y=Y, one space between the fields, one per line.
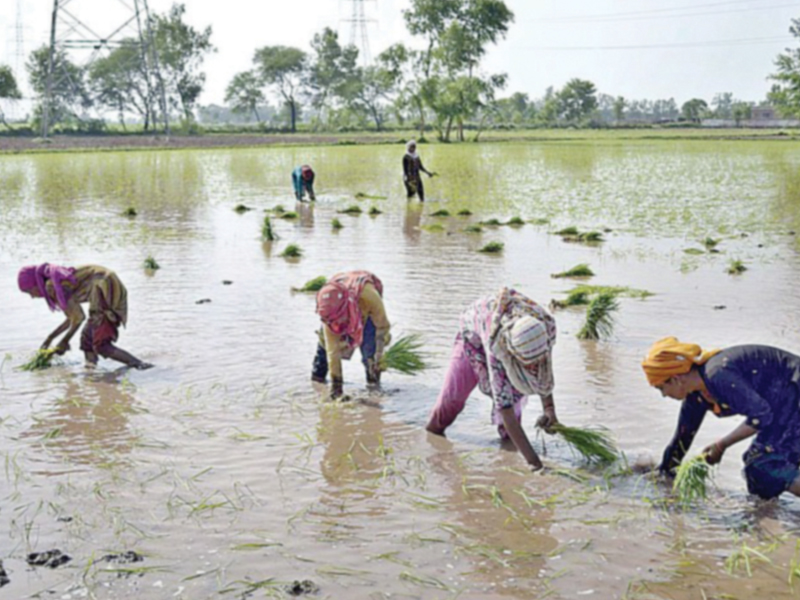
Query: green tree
x=785 y=94
x=576 y=100
x=8 y=89
x=244 y=94
x=285 y=69
x=619 y=108
x=723 y=104
x=68 y=93
x=331 y=70
x=119 y=82
x=695 y=109
x=741 y=111
x=181 y=52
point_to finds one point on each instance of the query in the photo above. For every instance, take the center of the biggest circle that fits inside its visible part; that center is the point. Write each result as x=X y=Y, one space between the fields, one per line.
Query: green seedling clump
x=599 y=317
x=464 y=212
x=736 y=267
x=288 y=215
x=493 y=247
x=241 y=208
x=433 y=227
x=690 y=480
x=710 y=242
x=363 y=196
x=313 y=285
x=151 y=264
x=266 y=231
x=292 y=251
x=492 y=222
x=353 y=209
x=130 y=212
x=374 y=211
x=581 y=270
x=442 y=212
x=405 y=356
x=473 y=228
x=516 y=221
x=278 y=209
x=595 y=445
x=41 y=360
x=590 y=236
x=575 y=298
x=336 y=224
x=568 y=231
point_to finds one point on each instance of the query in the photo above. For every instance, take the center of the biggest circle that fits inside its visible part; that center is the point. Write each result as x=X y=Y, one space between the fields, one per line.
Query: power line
x=705 y=44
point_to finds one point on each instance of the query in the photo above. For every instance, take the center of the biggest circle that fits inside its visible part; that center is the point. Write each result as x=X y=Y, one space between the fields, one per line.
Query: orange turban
x=668 y=357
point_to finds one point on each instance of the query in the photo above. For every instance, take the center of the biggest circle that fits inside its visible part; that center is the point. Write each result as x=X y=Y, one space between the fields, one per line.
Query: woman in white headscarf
x=412 y=166
x=503 y=346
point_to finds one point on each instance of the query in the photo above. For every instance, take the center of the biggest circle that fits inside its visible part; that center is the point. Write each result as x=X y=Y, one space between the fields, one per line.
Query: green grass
x=599 y=317
x=292 y=251
x=433 y=227
x=241 y=208
x=130 y=212
x=288 y=215
x=151 y=264
x=690 y=480
x=336 y=224
x=568 y=231
x=464 y=212
x=278 y=209
x=442 y=212
x=492 y=247
x=516 y=221
x=353 y=209
x=404 y=356
x=581 y=270
x=491 y=223
x=312 y=285
x=473 y=228
x=41 y=360
x=595 y=445
x=375 y=211
x=736 y=267
x=266 y=231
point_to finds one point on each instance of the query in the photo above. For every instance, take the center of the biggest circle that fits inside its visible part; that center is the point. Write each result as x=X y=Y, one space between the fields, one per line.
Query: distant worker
x=303 y=181
x=412 y=166
x=65 y=289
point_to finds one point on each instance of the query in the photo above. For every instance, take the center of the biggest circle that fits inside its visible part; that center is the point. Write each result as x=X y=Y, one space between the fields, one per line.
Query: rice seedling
x=590 y=236
x=405 y=356
x=130 y=212
x=150 y=264
x=442 y=212
x=278 y=209
x=693 y=251
x=363 y=196
x=432 y=227
x=516 y=221
x=336 y=224
x=41 y=360
x=375 y=211
x=292 y=251
x=288 y=215
x=581 y=270
x=746 y=555
x=312 y=285
x=491 y=222
x=266 y=231
x=599 y=317
x=595 y=445
x=241 y=208
x=593 y=290
x=736 y=267
x=424 y=580
x=568 y=231
x=353 y=209
x=539 y=221
x=464 y=212
x=473 y=228
x=492 y=247
x=690 y=480
x=710 y=242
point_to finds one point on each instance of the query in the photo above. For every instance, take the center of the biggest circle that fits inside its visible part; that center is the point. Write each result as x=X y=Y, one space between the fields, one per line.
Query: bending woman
x=761 y=383
x=504 y=346
x=64 y=289
x=351 y=308
x=303 y=181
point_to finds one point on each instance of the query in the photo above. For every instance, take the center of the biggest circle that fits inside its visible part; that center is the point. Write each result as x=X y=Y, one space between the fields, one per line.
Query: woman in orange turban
x=760 y=382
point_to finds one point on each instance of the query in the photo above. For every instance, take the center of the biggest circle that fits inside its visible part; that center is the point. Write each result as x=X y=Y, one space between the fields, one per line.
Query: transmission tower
x=359 y=34
x=134 y=21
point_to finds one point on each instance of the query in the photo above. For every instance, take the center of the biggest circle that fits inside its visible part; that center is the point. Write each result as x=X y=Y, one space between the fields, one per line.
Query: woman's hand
x=536 y=465
x=714 y=452
x=62 y=348
x=46 y=344
x=548 y=420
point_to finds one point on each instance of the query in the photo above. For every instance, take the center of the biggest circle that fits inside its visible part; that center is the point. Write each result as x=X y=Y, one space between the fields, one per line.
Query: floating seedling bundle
x=492 y=248
x=405 y=356
x=581 y=270
x=313 y=285
x=292 y=251
x=266 y=231
x=374 y=211
x=595 y=445
x=736 y=267
x=41 y=360
x=363 y=196
x=353 y=209
x=599 y=317
x=690 y=480
x=151 y=264
x=336 y=224
x=442 y=212
x=516 y=221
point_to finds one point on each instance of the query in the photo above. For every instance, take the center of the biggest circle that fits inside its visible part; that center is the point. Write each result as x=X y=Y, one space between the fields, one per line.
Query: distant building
x=764 y=113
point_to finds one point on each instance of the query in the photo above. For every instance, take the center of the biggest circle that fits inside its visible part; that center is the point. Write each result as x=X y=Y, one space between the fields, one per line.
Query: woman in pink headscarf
x=351 y=308
x=65 y=289
x=504 y=347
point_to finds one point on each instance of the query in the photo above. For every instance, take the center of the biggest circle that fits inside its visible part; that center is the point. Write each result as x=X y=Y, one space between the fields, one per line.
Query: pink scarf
x=35 y=277
x=337 y=303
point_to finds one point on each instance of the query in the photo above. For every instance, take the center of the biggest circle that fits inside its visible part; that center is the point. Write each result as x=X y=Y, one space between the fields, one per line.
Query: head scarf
x=306 y=172
x=523 y=335
x=669 y=357
x=409 y=145
x=36 y=277
x=337 y=303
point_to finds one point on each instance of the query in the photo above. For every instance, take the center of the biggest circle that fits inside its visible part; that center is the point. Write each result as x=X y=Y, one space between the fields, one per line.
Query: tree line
x=440 y=87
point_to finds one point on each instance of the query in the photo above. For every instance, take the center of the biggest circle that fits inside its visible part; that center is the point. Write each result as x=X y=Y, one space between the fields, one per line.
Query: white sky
x=636 y=48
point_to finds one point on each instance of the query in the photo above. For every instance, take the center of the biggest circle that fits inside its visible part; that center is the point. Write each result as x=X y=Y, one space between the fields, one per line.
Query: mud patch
x=49 y=558
x=301 y=588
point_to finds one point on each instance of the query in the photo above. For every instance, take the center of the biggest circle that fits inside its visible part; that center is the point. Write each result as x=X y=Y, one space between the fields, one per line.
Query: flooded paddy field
x=226 y=471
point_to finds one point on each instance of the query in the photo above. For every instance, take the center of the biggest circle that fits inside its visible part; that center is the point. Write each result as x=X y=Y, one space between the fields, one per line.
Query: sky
x=653 y=49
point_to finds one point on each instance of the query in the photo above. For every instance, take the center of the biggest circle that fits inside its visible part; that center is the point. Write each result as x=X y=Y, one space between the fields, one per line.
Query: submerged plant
x=266 y=231
x=130 y=212
x=736 y=267
x=581 y=270
x=374 y=211
x=590 y=236
x=442 y=212
x=292 y=251
x=568 y=231
x=690 y=480
x=710 y=242
x=288 y=215
x=599 y=317
x=278 y=209
x=464 y=212
x=241 y=208
x=493 y=247
x=595 y=445
x=151 y=264
x=473 y=228
x=336 y=224
x=312 y=285
x=492 y=222
x=353 y=209
x=405 y=356
x=40 y=360
x=516 y=221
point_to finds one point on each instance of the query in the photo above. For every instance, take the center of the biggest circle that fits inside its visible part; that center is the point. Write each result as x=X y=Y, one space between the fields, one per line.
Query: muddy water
x=228 y=472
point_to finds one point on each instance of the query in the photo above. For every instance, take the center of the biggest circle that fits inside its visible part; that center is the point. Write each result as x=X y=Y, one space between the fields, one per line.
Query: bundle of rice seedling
x=599 y=317
x=464 y=212
x=595 y=445
x=353 y=209
x=363 y=196
x=292 y=251
x=405 y=356
x=374 y=211
x=492 y=247
x=312 y=285
x=40 y=360
x=736 y=267
x=241 y=208
x=690 y=480
x=568 y=231
x=574 y=298
x=492 y=222
x=473 y=228
x=432 y=227
x=266 y=231
x=336 y=224
x=278 y=209
x=130 y=212
x=288 y=215
x=710 y=242
x=442 y=212
x=581 y=270
x=590 y=236
x=151 y=264
x=516 y=221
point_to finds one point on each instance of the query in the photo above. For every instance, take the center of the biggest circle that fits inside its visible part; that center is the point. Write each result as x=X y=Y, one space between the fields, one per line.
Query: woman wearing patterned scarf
x=64 y=289
x=761 y=383
x=504 y=347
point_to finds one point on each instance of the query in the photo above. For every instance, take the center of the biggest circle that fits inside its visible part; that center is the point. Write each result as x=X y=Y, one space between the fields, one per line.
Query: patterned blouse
x=102 y=289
